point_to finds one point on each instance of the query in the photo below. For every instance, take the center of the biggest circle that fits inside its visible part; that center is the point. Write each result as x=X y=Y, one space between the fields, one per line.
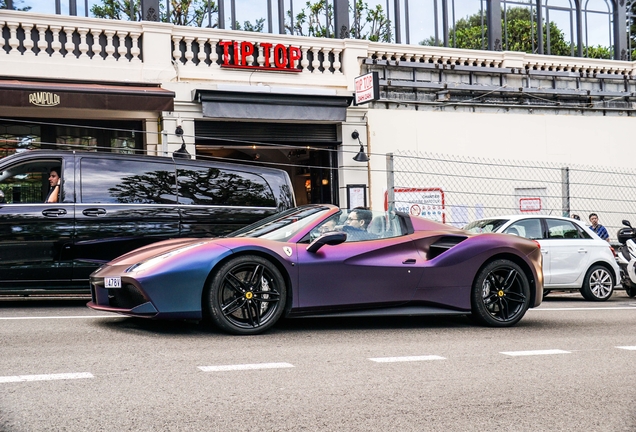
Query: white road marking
x=62 y=317
x=536 y=352
x=631 y=348
x=406 y=359
x=62 y=376
x=223 y=368
x=584 y=308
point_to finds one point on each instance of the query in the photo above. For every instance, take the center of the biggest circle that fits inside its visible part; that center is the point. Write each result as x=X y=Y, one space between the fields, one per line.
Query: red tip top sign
x=277 y=57
x=367 y=88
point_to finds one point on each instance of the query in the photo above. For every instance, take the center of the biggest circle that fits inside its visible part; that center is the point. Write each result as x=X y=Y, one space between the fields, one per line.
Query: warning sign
x=529 y=204
x=424 y=202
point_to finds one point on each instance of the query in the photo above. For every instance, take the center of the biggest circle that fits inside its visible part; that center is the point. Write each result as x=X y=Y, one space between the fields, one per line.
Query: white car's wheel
x=598 y=284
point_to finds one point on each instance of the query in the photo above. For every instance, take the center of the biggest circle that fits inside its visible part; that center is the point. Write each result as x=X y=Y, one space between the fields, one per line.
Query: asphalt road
x=64 y=367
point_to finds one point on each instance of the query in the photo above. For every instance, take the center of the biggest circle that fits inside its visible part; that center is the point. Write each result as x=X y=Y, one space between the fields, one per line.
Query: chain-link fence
x=457 y=190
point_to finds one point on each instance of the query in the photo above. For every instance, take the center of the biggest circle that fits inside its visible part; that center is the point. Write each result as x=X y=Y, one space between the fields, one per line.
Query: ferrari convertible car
x=319 y=260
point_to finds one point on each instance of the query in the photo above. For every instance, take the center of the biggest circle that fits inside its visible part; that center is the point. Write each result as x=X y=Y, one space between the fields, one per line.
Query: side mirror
x=626 y=223
x=331 y=239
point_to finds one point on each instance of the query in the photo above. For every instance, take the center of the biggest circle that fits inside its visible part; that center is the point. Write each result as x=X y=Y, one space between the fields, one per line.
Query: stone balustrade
x=499 y=59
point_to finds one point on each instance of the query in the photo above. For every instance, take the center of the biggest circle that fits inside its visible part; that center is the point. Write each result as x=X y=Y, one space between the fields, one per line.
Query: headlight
x=144 y=265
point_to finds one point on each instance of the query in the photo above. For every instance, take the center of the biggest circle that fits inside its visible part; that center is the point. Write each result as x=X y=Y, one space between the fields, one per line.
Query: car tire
x=500 y=295
x=631 y=291
x=598 y=284
x=246 y=295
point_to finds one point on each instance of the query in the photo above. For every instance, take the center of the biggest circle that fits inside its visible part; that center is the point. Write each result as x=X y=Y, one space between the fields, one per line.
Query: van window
x=218 y=186
x=26 y=183
x=127 y=182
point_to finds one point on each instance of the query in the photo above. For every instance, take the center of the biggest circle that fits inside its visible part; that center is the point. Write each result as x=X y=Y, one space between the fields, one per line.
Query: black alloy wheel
x=598 y=284
x=501 y=294
x=247 y=295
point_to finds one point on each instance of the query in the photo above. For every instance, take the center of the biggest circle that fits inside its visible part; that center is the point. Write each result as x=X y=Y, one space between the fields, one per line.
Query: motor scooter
x=626 y=257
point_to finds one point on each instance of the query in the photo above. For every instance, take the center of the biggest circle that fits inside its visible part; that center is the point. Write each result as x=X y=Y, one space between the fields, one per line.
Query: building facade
x=287 y=101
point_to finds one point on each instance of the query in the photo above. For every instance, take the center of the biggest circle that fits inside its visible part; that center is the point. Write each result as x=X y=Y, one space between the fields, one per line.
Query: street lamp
x=361 y=156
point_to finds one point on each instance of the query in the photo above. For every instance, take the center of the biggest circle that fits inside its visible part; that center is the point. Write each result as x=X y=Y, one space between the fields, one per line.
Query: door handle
x=54 y=212
x=544 y=252
x=582 y=250
x=409 y=261
x=94 y=212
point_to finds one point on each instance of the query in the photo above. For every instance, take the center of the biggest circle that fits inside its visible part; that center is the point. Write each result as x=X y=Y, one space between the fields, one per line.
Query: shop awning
x=222 y=104
x=18 y=93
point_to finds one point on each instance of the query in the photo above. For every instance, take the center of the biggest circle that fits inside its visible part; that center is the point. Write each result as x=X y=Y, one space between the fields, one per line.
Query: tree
x=258 y=26
x=182 y=12
x=316 y=19
x=4 y=4
x=522 y=33
x=631 y=27
x=379 y=25
x=311 y=19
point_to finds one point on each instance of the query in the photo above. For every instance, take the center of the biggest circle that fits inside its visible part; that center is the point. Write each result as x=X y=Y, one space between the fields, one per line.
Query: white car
x=574 y=257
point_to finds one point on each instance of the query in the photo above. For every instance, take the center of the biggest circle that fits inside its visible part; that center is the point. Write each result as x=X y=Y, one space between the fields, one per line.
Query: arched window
x=597 y=24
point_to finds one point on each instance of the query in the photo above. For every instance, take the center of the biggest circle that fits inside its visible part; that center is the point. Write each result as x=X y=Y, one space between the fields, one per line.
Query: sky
x=421 y=13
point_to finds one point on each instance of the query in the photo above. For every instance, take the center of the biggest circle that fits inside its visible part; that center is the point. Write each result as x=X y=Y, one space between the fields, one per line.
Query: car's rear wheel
x=246 y=296
x=598 y=284
x=501 y=294
x=631 y=291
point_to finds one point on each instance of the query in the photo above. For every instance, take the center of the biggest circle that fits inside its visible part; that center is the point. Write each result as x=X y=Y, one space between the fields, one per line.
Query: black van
x=110 y=204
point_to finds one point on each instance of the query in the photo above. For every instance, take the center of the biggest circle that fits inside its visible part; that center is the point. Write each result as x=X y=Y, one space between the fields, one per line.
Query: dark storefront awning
x=17 y=93
x=223 y=104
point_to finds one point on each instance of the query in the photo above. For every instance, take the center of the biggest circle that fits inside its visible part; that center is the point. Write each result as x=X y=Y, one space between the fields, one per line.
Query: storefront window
x=83 y=135
x=123 y=144
x=73 y=138
x=17 y=138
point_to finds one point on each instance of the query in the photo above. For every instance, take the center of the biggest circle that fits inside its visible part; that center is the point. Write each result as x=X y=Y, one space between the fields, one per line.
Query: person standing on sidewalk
x=597 y=227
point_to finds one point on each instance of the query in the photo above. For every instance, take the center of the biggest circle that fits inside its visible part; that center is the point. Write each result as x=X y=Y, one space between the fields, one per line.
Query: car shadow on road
x=160 y=327
x=291 y=326
x=33 y=303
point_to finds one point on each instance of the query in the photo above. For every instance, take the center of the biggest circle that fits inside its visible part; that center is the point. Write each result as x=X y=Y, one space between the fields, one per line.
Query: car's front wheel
x=598 y=284
x=246 y=296
x=501 y=294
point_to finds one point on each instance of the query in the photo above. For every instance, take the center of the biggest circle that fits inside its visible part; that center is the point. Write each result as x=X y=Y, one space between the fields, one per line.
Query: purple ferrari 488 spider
x=318 y=260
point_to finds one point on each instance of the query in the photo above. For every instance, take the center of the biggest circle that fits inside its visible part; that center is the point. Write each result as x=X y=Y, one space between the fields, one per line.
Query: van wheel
x=598 y=284
x=246 y=296
x=501 y=294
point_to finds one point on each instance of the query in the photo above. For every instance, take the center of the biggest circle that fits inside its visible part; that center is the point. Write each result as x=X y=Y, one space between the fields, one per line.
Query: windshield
x=485 y=225
x=282 y=226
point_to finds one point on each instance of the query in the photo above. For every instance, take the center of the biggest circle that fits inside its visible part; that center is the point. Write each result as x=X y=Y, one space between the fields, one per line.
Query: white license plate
x=112 y=282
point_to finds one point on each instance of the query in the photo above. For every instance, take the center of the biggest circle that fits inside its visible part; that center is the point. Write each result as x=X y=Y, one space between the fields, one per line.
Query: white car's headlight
x=144 y=265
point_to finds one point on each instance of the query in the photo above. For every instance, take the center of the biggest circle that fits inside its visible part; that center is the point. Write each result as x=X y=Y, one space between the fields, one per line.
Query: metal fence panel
x=457 y=190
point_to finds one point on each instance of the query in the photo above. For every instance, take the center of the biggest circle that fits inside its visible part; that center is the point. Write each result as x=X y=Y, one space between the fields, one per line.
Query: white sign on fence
x=424 y=202
x=531 y=199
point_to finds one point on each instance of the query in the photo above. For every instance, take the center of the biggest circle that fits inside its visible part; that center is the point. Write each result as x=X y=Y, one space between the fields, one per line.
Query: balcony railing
x=90 y=49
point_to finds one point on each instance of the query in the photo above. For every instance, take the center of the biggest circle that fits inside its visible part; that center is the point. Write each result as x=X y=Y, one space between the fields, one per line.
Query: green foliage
x=599 y=52
x=368 y=23
x=379 y=27
x=248 y=26
x=16 y=4
x=521 y=35
x=315 y=19
x=182 y=12
x=310 y=20
x=117 y=9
